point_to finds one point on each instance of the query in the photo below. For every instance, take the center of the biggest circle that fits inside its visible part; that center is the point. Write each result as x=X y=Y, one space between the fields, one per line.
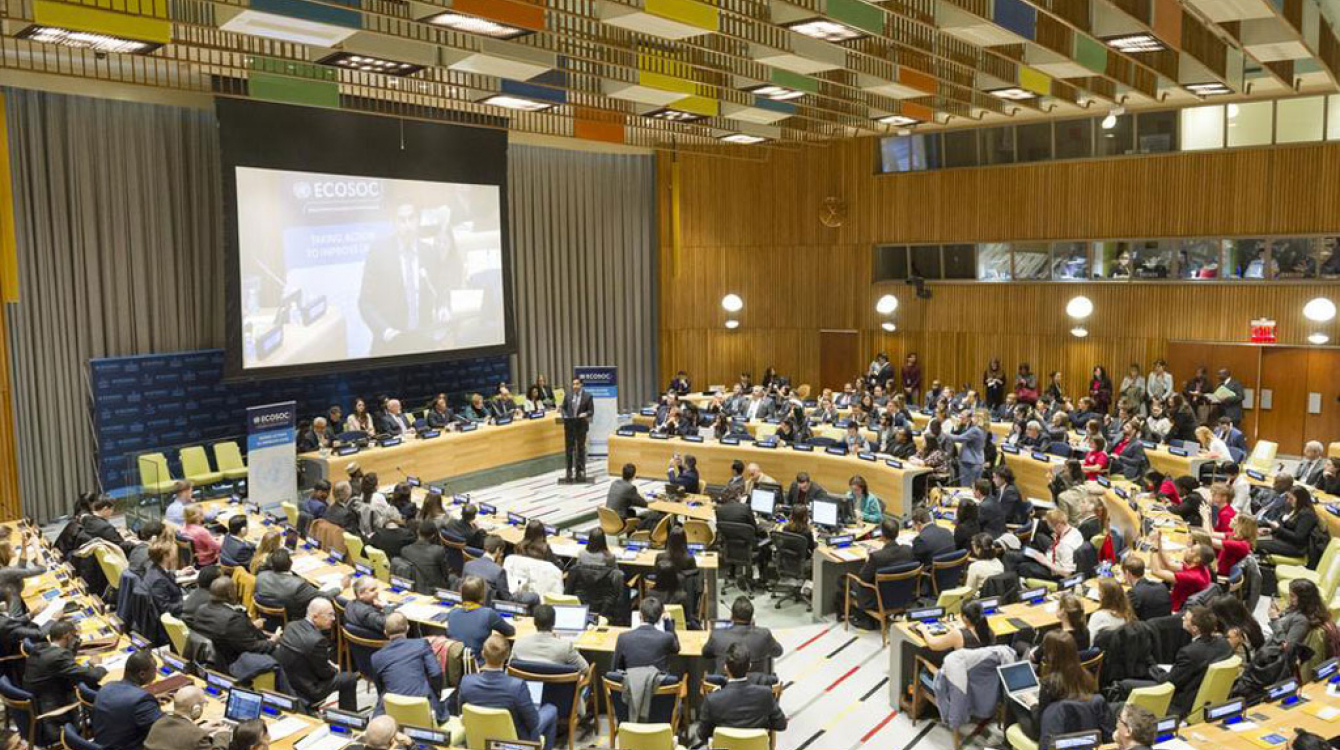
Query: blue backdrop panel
x=160 y=401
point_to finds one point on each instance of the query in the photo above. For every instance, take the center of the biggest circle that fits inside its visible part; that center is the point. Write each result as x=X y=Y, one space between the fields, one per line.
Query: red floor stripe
x=849 y=673
x=878 y=727
x=815 y=638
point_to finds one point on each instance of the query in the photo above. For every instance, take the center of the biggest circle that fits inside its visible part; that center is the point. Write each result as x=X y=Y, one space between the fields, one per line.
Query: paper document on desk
x=287 y=726
x=419 y=611
x=307 y=563
x=116 y=662
x=330 y=581
x=1175 y=743
x=629 y=554
x=565 y=549
x=849 y=554
x=46 y=615
x=1323 y=711
x=322 y=740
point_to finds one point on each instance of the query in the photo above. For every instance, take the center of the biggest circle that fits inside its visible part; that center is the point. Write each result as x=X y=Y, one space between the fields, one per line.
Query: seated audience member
x=428 y=558
x=1070 y=613
x=738 y=704
x=1212 y=446
x=677 y=551
x=683 y=473
x=98 y=524
x=308 y=658
x=407 y=666
x=860 y=504
x=51 y=674
x=360 y=419
x=162 y=584
x=440 y=416
x=646 y=645
x=1313 y=464
x=1290 y=536
x=464 y=528
x=470 y=622
x=402 y=504
x=1058 y=561
x=892 y=553
x=281 y=586
x=1096 y=460
x=199 y=595
x=932 y=539
x=596 y=551
x=1137 y=726
x=315 y=437
x=239 y=643
x=531 y=571
x=1149 y=599
x=365 y=611
x=383 y=733
x=393 y=421
x=124 y=711
x=175 y=512
x=486 y=567
x=273 y=540
x=967 y=523
x=855 y=442
x=1061 y=677
x=544 y=645
x=492 y=687
x=623 y=496
x=1236 y=545
x=316 y=503
x=1238 y=626
x=1187 y=500
x=803 y=490
x=990 y=513
x=476 y=410
x=668 y=587
x=986 y=562
x=251 y=734
x=1207 y=646
x=1114 y=608
x=183 y=729
x=1275 y=504
x=205 y=545
x=1305 y=621
x=236 y=551
x=1011 y=502
x=1220 y=511
x=975 y=632
x=341 y=511
x=798 y=523
x=393 y=538
x=759 y=643
x=1188 y=578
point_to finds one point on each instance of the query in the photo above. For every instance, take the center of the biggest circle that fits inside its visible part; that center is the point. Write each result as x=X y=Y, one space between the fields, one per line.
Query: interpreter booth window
x=1152 y=259
x=1035 y=141
x=1118 y=139
x=1200 y=259
x=1111 y=260
x=926 y=261
x=1032 y=261
x=997 y=145
x=1245 y=259
x=1333 y=118
x=1074 y=139
x=1250 y=124
x=1299 y=120
x=1203 y=127
x=960 y=262
x=910 y=153
x=1157 y=132
x=1329 y=256
x=993 y=261
x=1294 y=258
x=1070 y=261
x=960 y=148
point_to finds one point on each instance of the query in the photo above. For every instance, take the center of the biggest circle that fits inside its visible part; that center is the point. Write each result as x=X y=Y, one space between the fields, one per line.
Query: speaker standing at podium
x=576 y=411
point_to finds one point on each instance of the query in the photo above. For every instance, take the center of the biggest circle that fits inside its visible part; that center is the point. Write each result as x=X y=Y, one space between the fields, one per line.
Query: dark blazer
x=494 y=688
x=933 y=540
x=1233 y=407
x=307 y=655
x=473 y=626
x=430 y=564
x=192 y=604
x=231 y=632
x=238 y=552
x=365 y=616
x=890 y=554
x=51 y=674
x=1013 y=505
x=736 y=512
x=585 y=407
x=173 y=732
x=289 y=589
x=493 y=574
x=763 y=647
x=392 y=541
x=991 y=516
x=407 y=666
x=342 y=515
x=1188 y=669
x=100 y=528
x=1296 y=528
x=164 y=590
x=739 y=705
x=440 y=420
x=645 y=646
x=1150 y=599
x=623 y=497
x=473 y=536
x=793 y=493
x=123 y=714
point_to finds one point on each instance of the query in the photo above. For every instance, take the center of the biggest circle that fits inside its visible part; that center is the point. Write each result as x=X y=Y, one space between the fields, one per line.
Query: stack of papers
x=322 y=739
x=848 y=554
x=286 y=726
x=307 y=563
x=419 y=611
x=55 y=605
x=330 y=581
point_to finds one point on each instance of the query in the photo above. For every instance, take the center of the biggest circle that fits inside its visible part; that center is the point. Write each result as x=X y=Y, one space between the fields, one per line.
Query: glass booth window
x=1105 y=260
x=1152 y=259
x=1070 y=261
x=1245 y=259
x=1329 y=256
x=1118 y=139
x=997 y=145
x=1032 y=261
x=1035 y=142
x=910 y=153
x=1074 y=139
x=960 y=148
x=1250 y=124
x=1200 y=259
x=1158 y=131
x=926 y=261
x=1294 y=258
x=993 y=261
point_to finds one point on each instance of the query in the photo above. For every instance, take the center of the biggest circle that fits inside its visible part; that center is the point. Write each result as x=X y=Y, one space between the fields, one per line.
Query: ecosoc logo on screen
x=336 y=189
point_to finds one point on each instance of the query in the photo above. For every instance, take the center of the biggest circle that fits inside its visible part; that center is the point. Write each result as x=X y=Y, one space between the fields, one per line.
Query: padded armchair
x=947 y=570
x=484 y=724
x=1156 y=698
x=665 y=704
x=357 y=646
x=228 y=457
x=895 y=589
x=155 y=477
x=563 y=688
x=613 y=525
x=195 y=465
x=1214 y=688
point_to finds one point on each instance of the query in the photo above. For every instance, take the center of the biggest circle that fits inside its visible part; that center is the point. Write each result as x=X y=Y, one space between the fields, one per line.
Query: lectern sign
x=603 y=385
x=272 y=476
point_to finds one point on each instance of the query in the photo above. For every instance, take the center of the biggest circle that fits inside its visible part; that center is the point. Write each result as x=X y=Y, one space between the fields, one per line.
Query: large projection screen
x=350 y=259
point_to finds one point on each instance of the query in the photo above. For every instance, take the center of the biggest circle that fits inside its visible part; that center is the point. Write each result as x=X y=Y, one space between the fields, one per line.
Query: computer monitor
x=762 y=501
x=1286 y=692
x=1327 y=671
x=570 y=618
x=243 y=705
x=1077 y=740
x=824 y=512
x=512 y=745
x=1228 y=713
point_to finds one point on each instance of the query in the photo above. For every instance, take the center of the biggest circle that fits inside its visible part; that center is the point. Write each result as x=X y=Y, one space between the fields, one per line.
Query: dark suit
x=431 y=569
x=1016 y=511
x=391 y=541
x=763 y=648
x=493 y=574
x=439 y=420
x=393 y=424
x=739 y=705
x=287 y=589
x=237 y=552
x=1150 y=599
x=307 y=655
x=762 y=411
x=794 y=496
x=123 y=714
x=342 y=515
x=991 y=516
x=51 y=674
x=736 y=512
x=645 y=646
x=365 y=616
x=623 y=497
x=474 y=626
x=192 y=604
x=100 y=528
x=1233 y=406
x=1188 y=669
x=163 y=588
x=473 y=536
x=390 y=300
x=577 y=409
x=494 y=688
x=890 y=554
x=173 y=732
x=231 y=632
x=407 y=666
x=933 y=540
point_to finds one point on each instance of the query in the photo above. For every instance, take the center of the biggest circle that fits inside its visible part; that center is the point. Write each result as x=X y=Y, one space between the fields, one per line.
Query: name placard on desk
x=413 y=481
x=469 y=427
x=516 y=519
x=1254 y=474
x=388 y=442
x=535 y=415
x=692 y=438
x=864 y=456
x=486 y=509
x=730 y=440
x=346 y=450
x=313 y=310
x=1148 y=444
x=1104 y=481
x=500 y=421
x=658 y=436
x=769 y=444
x=429 y=434
x=1040 y=456
x=625 y=432
x=836 y=450
x=1120 y=492
x=1009 y=448
x=802 y=447
x=1178 y=452
x=894 y=463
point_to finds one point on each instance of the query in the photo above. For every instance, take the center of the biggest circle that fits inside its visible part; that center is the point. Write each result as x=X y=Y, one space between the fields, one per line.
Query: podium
x=574 y=448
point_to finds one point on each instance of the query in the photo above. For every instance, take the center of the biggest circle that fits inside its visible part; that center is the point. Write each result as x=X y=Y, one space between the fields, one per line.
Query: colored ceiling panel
x=794 y=80
x=1091 y=53
x=763 y=102
x=1016 y=16
x=699 y=105
x=282 y=88
x=527 y=90
x=317 y=12
x=1035 y=80
x=520 y=14
x=918 y=80
x=919 y=111
x=666 y=83
x=1167 y=24
x=687 y=12
x=79 y=18
x=598 y=125
x=857 y=14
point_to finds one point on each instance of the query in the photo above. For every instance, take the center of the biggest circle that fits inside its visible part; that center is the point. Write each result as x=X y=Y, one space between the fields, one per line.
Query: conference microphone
x=402 y=472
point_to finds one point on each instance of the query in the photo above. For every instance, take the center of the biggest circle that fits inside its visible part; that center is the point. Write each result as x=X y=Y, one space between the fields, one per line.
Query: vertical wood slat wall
x=754 y=229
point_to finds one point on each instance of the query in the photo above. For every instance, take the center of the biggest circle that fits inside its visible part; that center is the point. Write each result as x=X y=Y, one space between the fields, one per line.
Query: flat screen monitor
x=1077 y=740
x=762 y=500
x=824 y=512
x=243 y=705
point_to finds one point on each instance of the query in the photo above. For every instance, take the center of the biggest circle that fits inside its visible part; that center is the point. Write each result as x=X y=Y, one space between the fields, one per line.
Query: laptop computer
x=1020 y=682
x=570 y=619
x=243 y=705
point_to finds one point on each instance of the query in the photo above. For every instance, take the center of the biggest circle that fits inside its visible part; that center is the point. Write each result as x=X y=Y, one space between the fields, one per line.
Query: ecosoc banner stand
x=603 y=385
x=272 y=455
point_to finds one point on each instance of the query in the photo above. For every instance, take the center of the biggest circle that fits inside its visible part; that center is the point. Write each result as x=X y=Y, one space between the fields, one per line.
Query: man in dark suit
x=391 y=538
x=399 y=298
x=758 y=642
x=1232 y=404
x=732 y=510
x=366 y=610
x=1193 y=659
x=99 y=526
x=735 y=485
x=124 y=711
x=226 y=626
x=990 y=515
x=407 y=666
x=181 y=729
x=892 y=553
x=1149 y=599
x=51 y=674
x=308 y=656
x=932 y=539
x=281 y=586
x=429 y=560
x=1011 y=503
x=489 y=569
x=739 y=704
x=803 y=490
x=464 y=528
x=757 y=408
x=623 y=495
x=492 y=687
x=393 y=421
x=236 y=551
x=318 y=501
x=577 y=409
x=341 y=511
x=162 y=584
x=645 y=645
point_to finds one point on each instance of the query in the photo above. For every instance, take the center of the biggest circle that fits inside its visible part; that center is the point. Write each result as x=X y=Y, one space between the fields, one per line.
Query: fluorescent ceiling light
x=898 y=120
x=1318 y=338
x=675 y=115
x=1209 y=88
x=87 y=40
x=1013 y=93
x=370 y=64
x=287 y=29
x=825 y=29
x=888 y=326
x=1320 y=309
x=473 y=25
x=886 y=304
x=732 y=324
x=1140 y=42
x=1079 y=332
x=775 y=92
x=521 y=104
x=743 y=139
x=732 y=303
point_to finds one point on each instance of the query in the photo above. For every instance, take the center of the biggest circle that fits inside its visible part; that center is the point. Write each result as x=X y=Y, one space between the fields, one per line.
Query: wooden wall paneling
x=1323 y=366
x=839 y=358
x=1283 y=374
x=1241 y=360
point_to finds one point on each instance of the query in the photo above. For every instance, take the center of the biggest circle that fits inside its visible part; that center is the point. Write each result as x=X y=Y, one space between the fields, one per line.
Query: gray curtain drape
x=119 y=237
x=583 y=232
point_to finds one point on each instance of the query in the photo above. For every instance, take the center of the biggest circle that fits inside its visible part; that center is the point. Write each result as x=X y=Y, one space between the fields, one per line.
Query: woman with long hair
x=534 y=541
x=1114 y=608
x=974 y=633
x=993 y=384
x=432 y=510
x=1100 y=389
x=271 y=541
x=799 y=523
x=1239 y=627
x=1061 y=677
x=677 y=550
x=1290 y=536
x=360 y=419
x=967 y=523
x=596 y=551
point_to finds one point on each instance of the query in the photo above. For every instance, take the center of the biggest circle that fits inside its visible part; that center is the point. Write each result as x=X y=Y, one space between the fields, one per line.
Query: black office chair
x=791 y=556
x=738 y=544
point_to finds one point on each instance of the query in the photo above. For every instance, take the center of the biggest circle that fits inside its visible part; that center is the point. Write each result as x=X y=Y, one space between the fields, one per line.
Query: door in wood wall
x=1284 y=386
x=839 y=359
x=1323 y=386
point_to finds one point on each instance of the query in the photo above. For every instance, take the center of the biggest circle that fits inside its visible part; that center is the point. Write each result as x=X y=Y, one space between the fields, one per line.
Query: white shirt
x=529 y=575
x=980 y=570
x=1219 y=449
x=752 y=412
x=1103 y=620
x=1242 y=495
x=1063 y=551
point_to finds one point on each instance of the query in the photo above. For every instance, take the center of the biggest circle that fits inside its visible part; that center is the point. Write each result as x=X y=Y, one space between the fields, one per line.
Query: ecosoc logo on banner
x=597 y=376
x=271 y=417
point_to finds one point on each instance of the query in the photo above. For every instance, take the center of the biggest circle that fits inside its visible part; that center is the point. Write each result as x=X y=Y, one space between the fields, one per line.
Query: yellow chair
x=246 y=589
x=177 y=632
x=228 y=457
x=265 y=681
x=612 y=524
x=564 y=599
x=765 y=431
x=645 y=737
x=1263 y=457
x=353 y=545
x=415 y=712
x=1286 y=573
x=1214 y=688
x=112 y=564
x=1156 y=698
x=1040 y=583
x=952 y=599
x=381 y=564
x=676 y=613
x=291 y=513
x=484 y=724
x=699 y=532
x=1018 y=740
x=155 y=477
x=195 y=465
x=725 y=738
